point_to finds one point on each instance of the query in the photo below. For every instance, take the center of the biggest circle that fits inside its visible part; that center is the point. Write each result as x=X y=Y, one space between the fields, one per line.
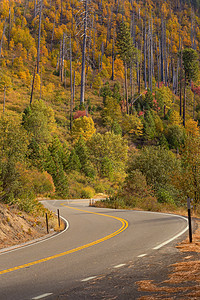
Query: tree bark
x=113 y=60
x=63 y=58
x=54 y=23
x=158 y=63
x=145 y=57
x=4 y=29
x=4 y=99
x=180 y=95
x=161 y=51
x=184 y=102
x=39 y=37
x=82 y=98
x=32 y=90
x=126 y=88
x=9 y=27
x=61 y=12
x=71 y=83
x=35 y=8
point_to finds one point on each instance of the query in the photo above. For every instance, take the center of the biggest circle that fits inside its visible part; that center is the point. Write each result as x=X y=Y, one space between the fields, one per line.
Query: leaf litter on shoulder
x=184 y=280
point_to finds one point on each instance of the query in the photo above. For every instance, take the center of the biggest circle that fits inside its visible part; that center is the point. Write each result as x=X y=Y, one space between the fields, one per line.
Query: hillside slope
x=84 y=101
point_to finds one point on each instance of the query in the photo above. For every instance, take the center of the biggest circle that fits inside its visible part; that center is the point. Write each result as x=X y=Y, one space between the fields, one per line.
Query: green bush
x=164 y=196
x=87 y=192
x=175 y=136
x=26 y=202
x=99 y=188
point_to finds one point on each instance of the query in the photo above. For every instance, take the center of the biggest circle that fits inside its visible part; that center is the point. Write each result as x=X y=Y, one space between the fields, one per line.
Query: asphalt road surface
x=96 y=241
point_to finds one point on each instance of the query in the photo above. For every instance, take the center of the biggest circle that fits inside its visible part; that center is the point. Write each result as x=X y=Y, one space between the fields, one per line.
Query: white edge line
x=175 y=237
x=119 y=266
x=142 y=255
x=32 y=243
x=42 y=296
x=89 y=278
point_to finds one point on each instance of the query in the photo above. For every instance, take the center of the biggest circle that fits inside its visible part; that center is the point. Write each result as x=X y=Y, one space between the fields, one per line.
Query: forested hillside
x=100 y=96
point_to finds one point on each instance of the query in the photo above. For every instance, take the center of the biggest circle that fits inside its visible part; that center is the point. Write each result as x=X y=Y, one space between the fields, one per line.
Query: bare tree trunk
x=181 y=67
x=145 y=57
x=161 y=51
x=4 y=29
x=165 y=55
x=184 y=102
x=94 y=43
x=32 y=90
x=63 y=58
x=60 y=58
x=194 y=107
x=41 y=82
x=158 y=63
x=25 y=10
x=126 y=88
x=133 y=27
x=9 y=27
x=102 y=53
x=150 y=56
x=39 y=37
x=82 y=98
x=54 y=23
x=74 y=85
x=71 y=83
x=4 y=99
x=113 y=60
x=152 y=62
x=61 y=12
x=35 y=8
x=131 y=81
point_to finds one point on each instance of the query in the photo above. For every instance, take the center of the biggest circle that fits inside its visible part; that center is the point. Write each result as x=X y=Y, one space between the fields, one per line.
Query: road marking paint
x=119 y=266
x=121 y=229
x=176 y=236
x=170 y=240
x=42 y=296
x=89 y=278
x=142 y=255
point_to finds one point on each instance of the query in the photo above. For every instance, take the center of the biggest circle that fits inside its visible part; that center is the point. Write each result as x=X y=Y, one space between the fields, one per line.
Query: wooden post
x=58 y=217
x=47 y=224
x=189 y=219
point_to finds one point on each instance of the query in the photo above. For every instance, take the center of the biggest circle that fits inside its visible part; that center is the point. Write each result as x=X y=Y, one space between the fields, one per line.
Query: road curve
x=97 y=241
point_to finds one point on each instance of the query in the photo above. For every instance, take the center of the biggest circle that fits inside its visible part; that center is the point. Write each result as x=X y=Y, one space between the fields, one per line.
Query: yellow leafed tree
x=83 y=126
x=191 y=128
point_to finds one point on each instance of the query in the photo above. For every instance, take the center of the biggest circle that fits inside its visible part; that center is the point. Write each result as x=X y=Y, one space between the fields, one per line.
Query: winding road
x=96 y=241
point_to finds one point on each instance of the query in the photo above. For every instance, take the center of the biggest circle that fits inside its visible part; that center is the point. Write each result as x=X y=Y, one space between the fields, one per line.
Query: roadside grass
x=149 y=205
x=56 y=226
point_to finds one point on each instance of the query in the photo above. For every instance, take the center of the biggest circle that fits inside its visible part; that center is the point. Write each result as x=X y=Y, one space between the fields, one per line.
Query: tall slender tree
x=82 y=97
x=39 y=37
x=191 y=69
x=126 y=51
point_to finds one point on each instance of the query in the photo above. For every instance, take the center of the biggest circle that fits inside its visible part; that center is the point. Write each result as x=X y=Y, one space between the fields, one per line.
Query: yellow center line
x=121 y=229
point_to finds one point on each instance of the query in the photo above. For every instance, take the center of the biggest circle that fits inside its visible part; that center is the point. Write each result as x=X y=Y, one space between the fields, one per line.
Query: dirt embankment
x=18 y=227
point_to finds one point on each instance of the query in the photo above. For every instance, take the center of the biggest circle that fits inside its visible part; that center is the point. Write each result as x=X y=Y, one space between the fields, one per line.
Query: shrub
x=164 y=196
x=87 y=192
x=175 y=136
x=99 y=188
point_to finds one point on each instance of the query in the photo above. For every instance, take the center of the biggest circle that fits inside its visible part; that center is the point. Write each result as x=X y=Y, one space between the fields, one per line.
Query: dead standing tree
x=83 y=20
x=82 y=97
x=4 y=29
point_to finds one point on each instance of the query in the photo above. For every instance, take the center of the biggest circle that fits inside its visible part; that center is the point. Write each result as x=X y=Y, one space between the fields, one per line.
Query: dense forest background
x=100 y=97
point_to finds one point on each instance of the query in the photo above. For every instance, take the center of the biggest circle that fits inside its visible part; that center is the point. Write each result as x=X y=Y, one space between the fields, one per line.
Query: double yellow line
x=121 y=229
